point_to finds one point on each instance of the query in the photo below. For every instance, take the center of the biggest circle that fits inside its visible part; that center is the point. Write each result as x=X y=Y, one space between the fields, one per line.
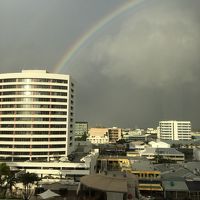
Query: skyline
x=139 y=67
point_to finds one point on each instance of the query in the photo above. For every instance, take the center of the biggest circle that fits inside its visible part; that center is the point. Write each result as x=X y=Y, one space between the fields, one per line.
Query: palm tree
x=27 y=179
x=11 y=182
x=5 y=173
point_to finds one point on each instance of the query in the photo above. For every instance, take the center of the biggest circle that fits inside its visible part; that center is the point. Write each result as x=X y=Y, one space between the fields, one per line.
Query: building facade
x=59 y=170
x=149 y=178
x=81 y=129
x=167 y=154
x=36 y=116
x=98 y=139
x=158 y=144
x=114 y=134
x=108 y=186
x=175 y=130
x=98 y=132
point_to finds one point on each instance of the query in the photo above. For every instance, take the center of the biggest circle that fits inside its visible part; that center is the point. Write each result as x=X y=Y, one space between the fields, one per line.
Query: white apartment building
x=175 y=130
x=36 y=116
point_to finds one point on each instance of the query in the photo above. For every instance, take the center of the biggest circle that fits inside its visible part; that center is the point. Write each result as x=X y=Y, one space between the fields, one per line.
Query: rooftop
x=112 y=182
x=175 y=186
x=192 y=166
x=162 y=151
x=34 y=71
x=188 y=170
x=142 y=165
x=112 y=157
x=183 y=142
x=166 y=167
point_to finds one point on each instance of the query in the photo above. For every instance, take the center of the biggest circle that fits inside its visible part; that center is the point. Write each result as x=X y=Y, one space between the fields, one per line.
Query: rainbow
x=82 y=41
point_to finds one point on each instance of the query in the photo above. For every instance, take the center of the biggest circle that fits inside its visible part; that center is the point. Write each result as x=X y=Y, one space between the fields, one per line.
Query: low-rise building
x=166 y=154
x=195 y=135
x=61 y=169
x=175 y=189
x=149 y=179
x=108 y=186
x=135 y=148
x=102 y=135
x=180 y=181
x=137 y=145
x=114 y=134
x=196 y=154
x=134 y=137
x=179 y=171
x=158 y=144
x=130 y=131
x=112 y=150
x=98 y=132
x=98 y=139
x=152 y=131
x=112 y=163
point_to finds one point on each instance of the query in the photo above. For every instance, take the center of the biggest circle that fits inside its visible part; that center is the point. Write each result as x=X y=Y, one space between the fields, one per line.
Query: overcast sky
x=142 y=67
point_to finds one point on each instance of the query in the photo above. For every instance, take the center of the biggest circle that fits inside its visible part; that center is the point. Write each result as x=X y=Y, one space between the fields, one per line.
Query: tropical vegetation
x=28 y=180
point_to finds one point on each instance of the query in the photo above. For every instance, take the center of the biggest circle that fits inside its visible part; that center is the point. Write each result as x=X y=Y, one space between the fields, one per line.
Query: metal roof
x=108 y=183
x=162 y=151
x=175 y=186
x=142 y=165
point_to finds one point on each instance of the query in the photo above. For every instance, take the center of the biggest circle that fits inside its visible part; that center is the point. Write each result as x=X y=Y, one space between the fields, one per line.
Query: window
x=59 y=81
x=57 y=139
x=9 y=80
x=57 y=146
x=39 y=139
x=58 y=126
x=22 y=139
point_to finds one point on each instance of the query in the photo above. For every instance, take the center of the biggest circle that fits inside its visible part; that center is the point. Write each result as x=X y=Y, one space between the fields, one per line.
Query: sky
x=132 y=68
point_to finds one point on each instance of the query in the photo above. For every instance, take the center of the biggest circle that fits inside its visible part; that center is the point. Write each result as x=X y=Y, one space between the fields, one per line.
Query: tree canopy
x=5 y=174
x=27 y=179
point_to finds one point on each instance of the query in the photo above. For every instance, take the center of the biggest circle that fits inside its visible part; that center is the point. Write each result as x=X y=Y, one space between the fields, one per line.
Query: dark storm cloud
x=147 y=71
x=142 y=68
x=36 y=34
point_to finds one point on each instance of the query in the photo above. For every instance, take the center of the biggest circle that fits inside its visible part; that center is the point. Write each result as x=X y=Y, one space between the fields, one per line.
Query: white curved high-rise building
x=36 y=115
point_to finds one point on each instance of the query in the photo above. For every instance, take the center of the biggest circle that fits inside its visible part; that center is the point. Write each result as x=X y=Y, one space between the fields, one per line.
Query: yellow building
x=149 y=179
x=109 y=163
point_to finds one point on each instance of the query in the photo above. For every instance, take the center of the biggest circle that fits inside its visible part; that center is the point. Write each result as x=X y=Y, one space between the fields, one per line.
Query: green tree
x=28 y=179
x=121 y=141
x=158 y=158
x=5 y=175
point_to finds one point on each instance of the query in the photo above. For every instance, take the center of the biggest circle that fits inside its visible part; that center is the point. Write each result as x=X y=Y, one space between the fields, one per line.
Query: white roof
x=48 y=194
